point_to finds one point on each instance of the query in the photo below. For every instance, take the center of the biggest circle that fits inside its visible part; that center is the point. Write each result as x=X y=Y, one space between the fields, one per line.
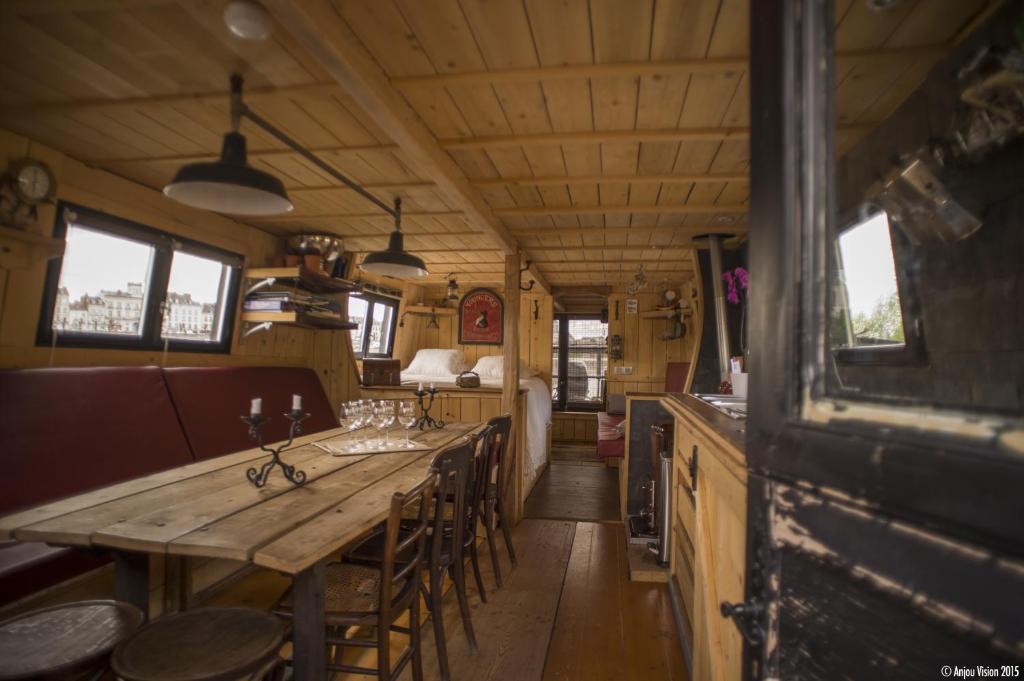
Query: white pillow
x=437 y=362
x=493 y=366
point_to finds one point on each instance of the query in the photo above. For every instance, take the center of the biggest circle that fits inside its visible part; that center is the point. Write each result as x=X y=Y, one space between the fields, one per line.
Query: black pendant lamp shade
x=229 y=185
x=395 y=261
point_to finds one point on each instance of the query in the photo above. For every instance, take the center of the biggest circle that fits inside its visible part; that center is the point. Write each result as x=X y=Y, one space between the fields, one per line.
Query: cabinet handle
x=747 y=618
x=693 y=469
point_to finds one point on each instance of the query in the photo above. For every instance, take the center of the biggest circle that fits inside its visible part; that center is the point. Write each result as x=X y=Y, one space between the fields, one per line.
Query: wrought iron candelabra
x=427 y=419
x=256 y=421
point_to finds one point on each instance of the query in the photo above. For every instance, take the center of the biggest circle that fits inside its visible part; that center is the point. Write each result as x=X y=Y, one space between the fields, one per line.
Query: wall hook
x=528 y=287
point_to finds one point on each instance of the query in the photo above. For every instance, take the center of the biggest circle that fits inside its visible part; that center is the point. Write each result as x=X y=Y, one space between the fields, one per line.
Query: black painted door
x=886 y=442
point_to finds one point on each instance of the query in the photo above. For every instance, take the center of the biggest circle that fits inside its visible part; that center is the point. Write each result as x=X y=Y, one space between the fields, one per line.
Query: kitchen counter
x=730 y=431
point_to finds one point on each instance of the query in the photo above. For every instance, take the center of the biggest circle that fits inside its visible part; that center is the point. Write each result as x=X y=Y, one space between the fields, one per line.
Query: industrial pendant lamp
x=230 y=185
x=395 y=261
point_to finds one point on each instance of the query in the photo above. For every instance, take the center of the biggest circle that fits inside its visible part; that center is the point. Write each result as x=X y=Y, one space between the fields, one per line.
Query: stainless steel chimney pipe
x=721 y=323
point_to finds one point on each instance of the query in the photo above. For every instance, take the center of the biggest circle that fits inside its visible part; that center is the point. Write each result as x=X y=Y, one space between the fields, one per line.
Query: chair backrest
x=497 y=472
x=454 y=475
x=416 y=537
x=483 y=445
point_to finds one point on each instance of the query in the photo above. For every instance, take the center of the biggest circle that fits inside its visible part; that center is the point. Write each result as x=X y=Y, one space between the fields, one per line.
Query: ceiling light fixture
x=232 y=186
x=452 y=292
x=248 y=20
x=395 y=261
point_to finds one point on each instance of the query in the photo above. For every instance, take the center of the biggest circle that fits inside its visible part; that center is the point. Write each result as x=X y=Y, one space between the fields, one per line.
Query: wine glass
x=407 y=417
x=380 y=421
x=389 y=420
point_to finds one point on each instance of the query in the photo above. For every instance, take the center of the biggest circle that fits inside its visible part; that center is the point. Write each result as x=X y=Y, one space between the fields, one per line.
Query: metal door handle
x=746 y=617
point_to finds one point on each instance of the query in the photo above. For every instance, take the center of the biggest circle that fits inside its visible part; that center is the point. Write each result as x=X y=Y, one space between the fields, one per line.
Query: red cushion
x=66 y=431
x=211 y=400
x=675 y=376
x=610 y=444
x=26 y=568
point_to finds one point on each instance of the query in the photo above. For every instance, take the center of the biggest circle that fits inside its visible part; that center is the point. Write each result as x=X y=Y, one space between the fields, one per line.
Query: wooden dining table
x=210 y=509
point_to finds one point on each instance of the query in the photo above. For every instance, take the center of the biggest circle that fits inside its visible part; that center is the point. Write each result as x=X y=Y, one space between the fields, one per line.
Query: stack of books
x=288 y=301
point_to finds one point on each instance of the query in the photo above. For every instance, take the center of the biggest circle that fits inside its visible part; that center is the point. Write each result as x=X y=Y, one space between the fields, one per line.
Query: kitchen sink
x=733 y=406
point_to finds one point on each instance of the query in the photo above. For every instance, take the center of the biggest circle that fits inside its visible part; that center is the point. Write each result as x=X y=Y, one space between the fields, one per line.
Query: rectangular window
x=376 y=317
x=126 y=285
x=580 y=362
x=868 y=323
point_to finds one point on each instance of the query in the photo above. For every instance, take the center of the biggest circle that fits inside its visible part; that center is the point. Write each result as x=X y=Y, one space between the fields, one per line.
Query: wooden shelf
x=304 y=278
x=428 y=310
x=19 y=249
x=665 y=313
x=297 y=318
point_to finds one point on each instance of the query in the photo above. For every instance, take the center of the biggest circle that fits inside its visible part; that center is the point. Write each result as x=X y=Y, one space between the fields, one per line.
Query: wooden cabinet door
x=720 y=564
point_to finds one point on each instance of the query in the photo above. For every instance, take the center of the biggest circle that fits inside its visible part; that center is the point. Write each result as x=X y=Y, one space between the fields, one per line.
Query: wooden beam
x=528 y=181
x=678 y=209
x=720 y=227
x=317 y=26
x=330 y=188
x=510 y=382
x=597 y=137
x=293 y=217
x=633 y=69
x=252 y=153
x=208 y=97
x=383 y=236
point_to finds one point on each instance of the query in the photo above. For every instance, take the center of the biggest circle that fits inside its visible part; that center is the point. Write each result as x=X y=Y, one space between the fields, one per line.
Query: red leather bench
x=210 y=401
x=66 y=431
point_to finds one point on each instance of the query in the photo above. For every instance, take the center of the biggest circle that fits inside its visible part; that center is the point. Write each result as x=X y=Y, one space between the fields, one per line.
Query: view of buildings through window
x=376 y=319
x=104 y=289
x=579 y=361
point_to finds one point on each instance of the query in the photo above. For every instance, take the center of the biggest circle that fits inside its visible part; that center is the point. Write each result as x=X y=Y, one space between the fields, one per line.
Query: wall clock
x=481 y=318
x=27 y=183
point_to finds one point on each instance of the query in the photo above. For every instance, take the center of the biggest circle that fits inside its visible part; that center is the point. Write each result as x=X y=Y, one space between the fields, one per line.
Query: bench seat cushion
x=29 y=567
x=610 y=444
x=211 y=400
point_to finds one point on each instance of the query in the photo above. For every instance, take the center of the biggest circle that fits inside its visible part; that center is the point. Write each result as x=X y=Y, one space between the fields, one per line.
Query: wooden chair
x=495 y=501
x=206 y=644
x=360 y=595
x=446 y=543
x=65 y=642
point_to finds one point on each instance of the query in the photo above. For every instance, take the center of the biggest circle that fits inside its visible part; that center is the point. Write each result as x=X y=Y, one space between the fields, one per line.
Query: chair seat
x=371 y=550
x=351 y=593
x=207 y=644
x=64 y=641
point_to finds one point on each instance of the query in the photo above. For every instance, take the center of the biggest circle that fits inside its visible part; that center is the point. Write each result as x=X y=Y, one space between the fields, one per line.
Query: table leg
x=177 y=583
x=131 y=579
x=310 y=642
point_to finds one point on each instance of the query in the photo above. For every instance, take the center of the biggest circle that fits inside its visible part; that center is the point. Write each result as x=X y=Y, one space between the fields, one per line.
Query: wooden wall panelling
x=574 y=427
x=329 y=353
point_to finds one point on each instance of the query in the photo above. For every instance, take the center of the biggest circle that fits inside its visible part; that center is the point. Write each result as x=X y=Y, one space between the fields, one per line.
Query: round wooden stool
x=207 y=644
x=64 y=642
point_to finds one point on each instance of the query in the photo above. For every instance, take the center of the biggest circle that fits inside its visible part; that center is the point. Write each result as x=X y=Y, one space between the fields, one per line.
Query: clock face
x=34 y=182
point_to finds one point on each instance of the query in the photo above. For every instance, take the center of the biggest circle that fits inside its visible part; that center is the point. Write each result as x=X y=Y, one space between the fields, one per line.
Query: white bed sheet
x=538 y=417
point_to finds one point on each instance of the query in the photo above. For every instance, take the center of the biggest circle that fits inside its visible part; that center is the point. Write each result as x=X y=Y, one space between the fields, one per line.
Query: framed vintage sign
x=481 y=318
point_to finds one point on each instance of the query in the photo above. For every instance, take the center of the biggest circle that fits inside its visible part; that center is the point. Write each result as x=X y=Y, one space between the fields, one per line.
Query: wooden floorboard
x=513 y=628
x=609 y=628
x=571 y=491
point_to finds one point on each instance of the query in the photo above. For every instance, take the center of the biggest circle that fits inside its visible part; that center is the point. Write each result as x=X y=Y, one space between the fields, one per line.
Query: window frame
x=373 y=299
x=562 y=403
x=164 y=245
x=912 y=352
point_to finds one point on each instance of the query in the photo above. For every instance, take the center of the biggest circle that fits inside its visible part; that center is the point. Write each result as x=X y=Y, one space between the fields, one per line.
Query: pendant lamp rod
x=240 y=110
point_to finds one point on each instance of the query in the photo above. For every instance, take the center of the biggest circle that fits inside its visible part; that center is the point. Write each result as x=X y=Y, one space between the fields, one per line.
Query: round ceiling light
x=394 y=261
x=248 y=20
x=229 y=185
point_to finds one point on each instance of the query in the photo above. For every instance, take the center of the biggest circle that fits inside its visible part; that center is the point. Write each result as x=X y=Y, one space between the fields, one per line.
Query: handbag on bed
x=468 y=379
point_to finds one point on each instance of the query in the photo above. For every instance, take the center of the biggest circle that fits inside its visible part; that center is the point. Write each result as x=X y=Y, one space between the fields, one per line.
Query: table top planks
x=210 y=509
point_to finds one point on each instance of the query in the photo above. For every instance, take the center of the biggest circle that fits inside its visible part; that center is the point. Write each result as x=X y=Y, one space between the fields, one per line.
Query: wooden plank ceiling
x=601 y=133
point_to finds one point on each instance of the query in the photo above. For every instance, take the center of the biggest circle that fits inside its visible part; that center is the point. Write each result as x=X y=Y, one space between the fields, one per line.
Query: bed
x=441 y=367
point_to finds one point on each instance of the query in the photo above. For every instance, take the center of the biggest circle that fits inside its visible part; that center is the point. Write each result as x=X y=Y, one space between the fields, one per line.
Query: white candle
x=296 y=402
x=431 y=385
x=256 y=407
x=419 y=388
